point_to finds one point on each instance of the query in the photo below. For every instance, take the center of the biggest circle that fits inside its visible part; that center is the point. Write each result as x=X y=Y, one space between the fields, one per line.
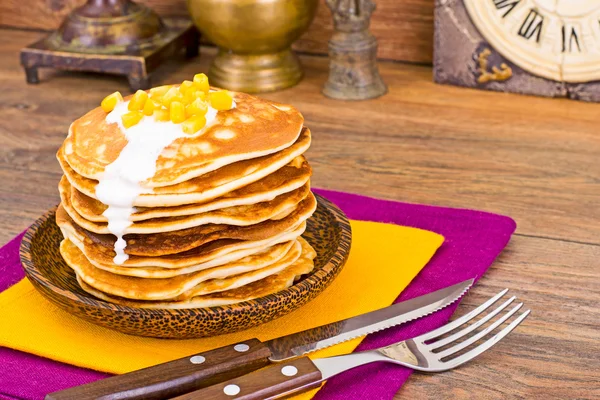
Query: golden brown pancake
x=219 y=222
x=233 y=260
x=237 y=216
x=217 y=252
x=202 y=188
x=180 y=287
x=286 y=179
x=302 y=247
x=271 y=284
x=254 y=128
x=159 y=244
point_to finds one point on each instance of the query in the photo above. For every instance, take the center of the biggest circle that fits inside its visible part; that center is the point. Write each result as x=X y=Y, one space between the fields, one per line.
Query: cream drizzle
x=121 y=181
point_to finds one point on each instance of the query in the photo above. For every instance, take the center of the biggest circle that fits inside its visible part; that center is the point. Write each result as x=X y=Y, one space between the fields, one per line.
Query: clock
x=555 y=39
x=545 y=47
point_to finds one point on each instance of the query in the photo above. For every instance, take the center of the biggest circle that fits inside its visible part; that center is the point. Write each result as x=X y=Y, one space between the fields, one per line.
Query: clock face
x=554 y=39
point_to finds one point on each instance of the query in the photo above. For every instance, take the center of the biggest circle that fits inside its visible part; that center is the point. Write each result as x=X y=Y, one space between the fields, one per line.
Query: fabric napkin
x=383 y=260
x=473 y=240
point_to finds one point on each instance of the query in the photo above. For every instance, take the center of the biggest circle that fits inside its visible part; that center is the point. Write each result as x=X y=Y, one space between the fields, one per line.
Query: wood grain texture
x=267 y=383
x=174 y=378
x=534 y=159
x=404 y=28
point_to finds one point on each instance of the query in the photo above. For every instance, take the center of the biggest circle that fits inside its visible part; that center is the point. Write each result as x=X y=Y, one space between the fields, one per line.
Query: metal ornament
x=111 y=36
x=353 y=73
x=254 y=38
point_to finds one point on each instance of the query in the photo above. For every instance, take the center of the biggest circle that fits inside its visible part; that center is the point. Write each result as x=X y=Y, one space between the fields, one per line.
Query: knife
x=214 y=366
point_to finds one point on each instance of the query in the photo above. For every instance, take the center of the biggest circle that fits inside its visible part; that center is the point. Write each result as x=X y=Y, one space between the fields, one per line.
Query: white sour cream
x=120 y=184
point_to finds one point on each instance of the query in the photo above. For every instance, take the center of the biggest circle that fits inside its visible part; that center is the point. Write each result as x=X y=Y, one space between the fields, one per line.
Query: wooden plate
x=328 y=231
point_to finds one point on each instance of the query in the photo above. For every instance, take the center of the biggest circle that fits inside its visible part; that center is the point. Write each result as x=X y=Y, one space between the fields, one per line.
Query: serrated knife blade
x=298 y=344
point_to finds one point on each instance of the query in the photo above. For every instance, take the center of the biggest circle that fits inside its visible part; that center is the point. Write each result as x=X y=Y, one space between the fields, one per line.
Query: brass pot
x=254 y=39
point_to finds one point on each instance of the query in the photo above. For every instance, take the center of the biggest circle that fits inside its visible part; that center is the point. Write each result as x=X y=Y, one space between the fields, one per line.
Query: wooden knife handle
x=276 y=381
x=175 y=377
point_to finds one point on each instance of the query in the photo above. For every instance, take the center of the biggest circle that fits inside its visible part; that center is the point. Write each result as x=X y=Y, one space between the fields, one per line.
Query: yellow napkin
x=383 y=260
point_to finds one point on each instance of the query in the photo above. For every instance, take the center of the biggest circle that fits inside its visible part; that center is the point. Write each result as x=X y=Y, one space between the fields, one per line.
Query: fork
x=430 y=352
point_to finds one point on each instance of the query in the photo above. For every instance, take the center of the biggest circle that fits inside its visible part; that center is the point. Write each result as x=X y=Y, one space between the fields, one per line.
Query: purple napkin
x=473 y=240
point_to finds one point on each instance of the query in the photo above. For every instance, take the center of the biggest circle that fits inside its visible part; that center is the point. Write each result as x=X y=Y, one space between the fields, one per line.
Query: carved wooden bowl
x=328 y=231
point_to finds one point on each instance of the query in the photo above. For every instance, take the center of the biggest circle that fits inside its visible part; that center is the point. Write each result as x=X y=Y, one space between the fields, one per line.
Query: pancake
x=217 y=252
x=187 y=198
x=180 y=287
x=233 y=259
x=236 y=216
x=159 y=244
x=301 y=246
x=202 y=188
x=254 y=128
x=286 y=179
x=271 y=284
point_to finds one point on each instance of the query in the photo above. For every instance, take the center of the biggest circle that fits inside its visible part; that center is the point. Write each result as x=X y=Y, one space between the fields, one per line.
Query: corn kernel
x=193 y=124
x=192 y=95
x=201 y=82
x=110 y=102
x=138 y=101
x=197 y=107
x=186 y=86
x=131 y=118
x=188 y=97
x=177 y=112
x=171 y=96
x=221 y=100
x=150 y=106
x=162 y=115
x=199 y=94
x=159 y=91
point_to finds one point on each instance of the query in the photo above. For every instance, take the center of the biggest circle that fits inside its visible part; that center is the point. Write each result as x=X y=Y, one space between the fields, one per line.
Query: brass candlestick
x=111 y=36
x=353 y=73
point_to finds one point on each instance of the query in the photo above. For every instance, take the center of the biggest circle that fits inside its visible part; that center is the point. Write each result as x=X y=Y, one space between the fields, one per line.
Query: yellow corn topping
x=192 y=95
x=198 y=94
x=171 y=96
x=150 y=106
x=193 y=124
x=197 y=107
x=201 y=82
x=177 y=110
x=221 y=100
x=162 y=115
x=185 y=104
x=186 y=86
x=138 y=101
x=110 y=102
x=131 y=118
x=159 y=91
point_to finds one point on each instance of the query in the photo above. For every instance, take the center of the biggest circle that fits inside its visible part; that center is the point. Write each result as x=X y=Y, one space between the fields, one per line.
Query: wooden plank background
x=404 y=28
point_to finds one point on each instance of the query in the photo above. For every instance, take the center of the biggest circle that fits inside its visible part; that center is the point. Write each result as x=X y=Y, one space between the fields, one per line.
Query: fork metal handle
x=332 y=366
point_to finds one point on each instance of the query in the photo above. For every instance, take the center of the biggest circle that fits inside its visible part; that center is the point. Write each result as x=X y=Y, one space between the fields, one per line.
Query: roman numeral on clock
x=508 y=4
x=532 y=25
x=570 y=40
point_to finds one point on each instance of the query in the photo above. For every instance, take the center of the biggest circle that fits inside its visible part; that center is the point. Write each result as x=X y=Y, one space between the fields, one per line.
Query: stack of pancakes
x=219 y=222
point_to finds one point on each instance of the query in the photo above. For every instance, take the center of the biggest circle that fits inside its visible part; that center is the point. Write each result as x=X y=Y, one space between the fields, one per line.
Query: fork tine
x=479 y=335
x=471 y=354
x=465 y=318
x=472 y=327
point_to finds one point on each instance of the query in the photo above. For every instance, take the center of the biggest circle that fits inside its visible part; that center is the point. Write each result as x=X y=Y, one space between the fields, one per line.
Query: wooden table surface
x=534 y=159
